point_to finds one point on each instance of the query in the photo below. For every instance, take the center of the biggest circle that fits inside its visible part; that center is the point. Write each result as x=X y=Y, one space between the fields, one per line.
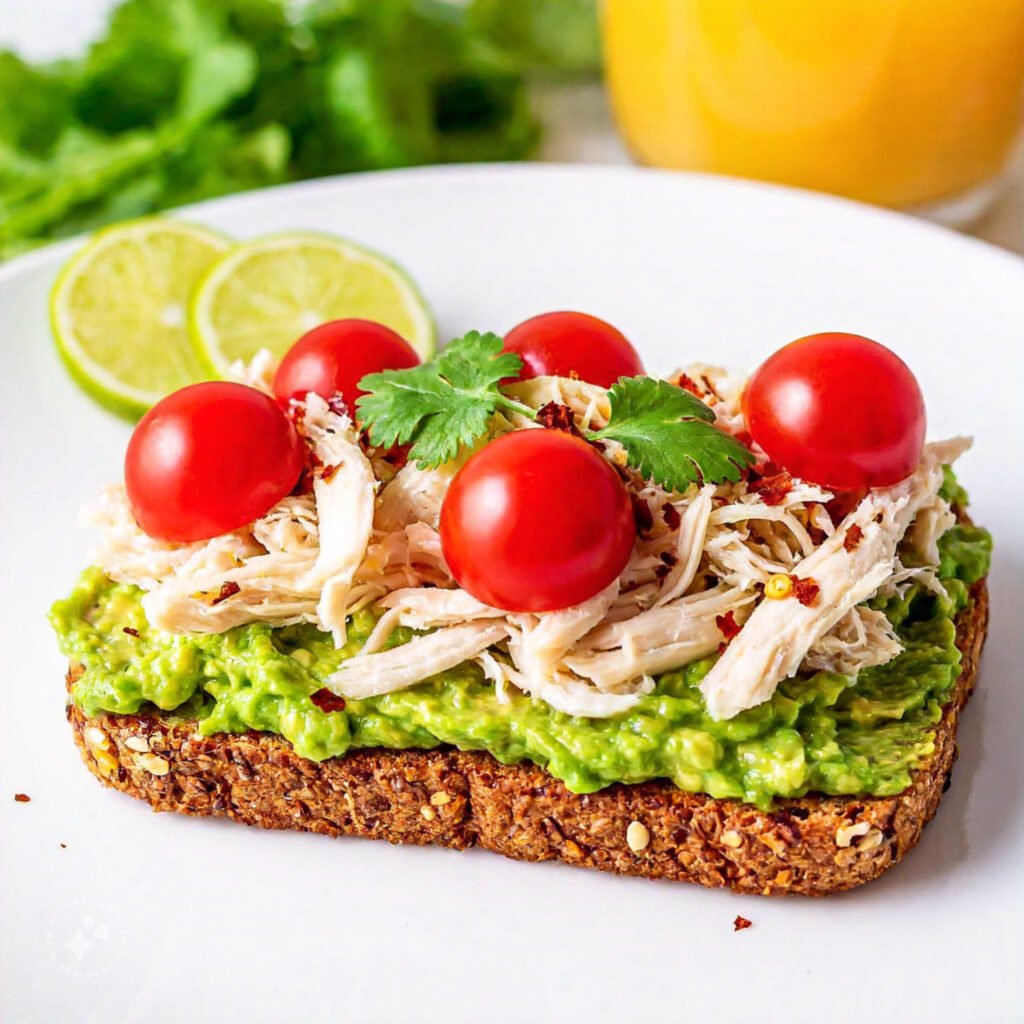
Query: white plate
x=166 y=918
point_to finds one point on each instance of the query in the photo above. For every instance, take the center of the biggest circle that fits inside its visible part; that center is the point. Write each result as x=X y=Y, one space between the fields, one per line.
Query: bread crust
x=814 y=845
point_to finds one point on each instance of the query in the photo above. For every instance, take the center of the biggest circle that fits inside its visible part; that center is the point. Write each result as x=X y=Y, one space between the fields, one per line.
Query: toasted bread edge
x=814 y=845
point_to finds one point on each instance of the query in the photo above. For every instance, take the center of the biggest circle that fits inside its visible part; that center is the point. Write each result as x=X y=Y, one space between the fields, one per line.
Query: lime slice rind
x=149 y=306
x=118 y=311
x=267 y=292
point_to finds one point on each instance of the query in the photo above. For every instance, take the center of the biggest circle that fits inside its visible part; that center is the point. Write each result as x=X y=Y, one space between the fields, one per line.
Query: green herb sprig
x=667 y=433
x=442 y=404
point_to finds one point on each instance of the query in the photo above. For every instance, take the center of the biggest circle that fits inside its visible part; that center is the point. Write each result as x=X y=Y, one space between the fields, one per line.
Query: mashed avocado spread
x=822 y=733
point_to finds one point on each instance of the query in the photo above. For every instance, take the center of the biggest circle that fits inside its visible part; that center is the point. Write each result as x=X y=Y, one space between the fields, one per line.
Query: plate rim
x=884 y=217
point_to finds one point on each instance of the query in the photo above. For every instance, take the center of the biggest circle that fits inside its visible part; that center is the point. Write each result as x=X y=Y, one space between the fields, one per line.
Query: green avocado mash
x=820 y=733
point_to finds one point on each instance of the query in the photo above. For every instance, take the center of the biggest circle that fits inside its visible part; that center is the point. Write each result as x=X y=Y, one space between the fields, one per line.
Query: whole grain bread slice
x=814 y=845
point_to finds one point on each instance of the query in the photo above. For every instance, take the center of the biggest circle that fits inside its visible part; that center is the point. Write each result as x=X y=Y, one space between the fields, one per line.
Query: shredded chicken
x=693 y=585
x=429 y=607
x=588 y=402
x=564 y=692
x=344 y=492
x=689 y=547
x=933 y=519
x=661 y=638
x=295 y=564
x=414 y=496
x=861 y=638
x=540 y=641
x=371 y=675
x=258 y=373
x=780 y=633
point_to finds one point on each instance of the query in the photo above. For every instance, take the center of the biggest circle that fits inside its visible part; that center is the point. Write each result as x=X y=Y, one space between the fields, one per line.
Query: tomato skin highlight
x=536 y=520
x=839 y=410
x=208 y=459
x=566 y=343
x=334 y=357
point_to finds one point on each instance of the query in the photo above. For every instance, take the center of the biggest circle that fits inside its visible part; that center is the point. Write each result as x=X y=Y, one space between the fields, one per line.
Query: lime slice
x=118 y=311
x=267 y=293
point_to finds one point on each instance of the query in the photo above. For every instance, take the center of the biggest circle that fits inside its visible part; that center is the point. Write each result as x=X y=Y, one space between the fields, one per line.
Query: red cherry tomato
x=334 y=357
x=563 y=344
x=208 y=459
x=839 y=410
x=536 y=520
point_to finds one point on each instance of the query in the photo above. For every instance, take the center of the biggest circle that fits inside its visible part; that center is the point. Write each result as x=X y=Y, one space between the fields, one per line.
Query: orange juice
x=898 y=102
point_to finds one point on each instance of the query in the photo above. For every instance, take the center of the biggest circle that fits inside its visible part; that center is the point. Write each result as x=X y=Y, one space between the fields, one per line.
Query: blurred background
x=110 y=110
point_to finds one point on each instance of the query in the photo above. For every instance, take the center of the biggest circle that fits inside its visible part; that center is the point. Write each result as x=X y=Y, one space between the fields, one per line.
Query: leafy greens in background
x=186 y=99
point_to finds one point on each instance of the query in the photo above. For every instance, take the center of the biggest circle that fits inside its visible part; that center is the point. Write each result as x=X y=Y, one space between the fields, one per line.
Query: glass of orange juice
x=905 y=103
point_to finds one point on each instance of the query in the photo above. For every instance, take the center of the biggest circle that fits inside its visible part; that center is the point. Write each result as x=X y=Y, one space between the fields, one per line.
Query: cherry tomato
x=839 y=410
x=563 y=344
x=208 y=459
x=536 y=520
x=332 y=358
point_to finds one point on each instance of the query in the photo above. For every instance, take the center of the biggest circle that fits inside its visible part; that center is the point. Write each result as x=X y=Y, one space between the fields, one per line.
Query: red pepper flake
x=772 y=489
x=642 y=514
x=397 y=455
x=22 y=798
x=325 y=700
x=805 y=591
x=671 y=515
x=554 y=416
x=853 y=537
x=668 y=559
x=228 y=589
x=330 y=472
x=727 y=624
x=304 y=485
x=337 y=404
x=130 y=631
x=689 y=384
x=843 y=504
x=728 y=627
x=740 y=923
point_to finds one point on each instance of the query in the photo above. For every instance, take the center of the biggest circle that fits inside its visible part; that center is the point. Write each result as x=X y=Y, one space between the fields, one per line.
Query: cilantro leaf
x=477 y=360
x=443 y=404
x=669 y=436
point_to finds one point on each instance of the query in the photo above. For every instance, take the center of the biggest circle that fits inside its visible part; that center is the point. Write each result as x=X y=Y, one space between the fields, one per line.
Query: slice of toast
x=814 y=845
